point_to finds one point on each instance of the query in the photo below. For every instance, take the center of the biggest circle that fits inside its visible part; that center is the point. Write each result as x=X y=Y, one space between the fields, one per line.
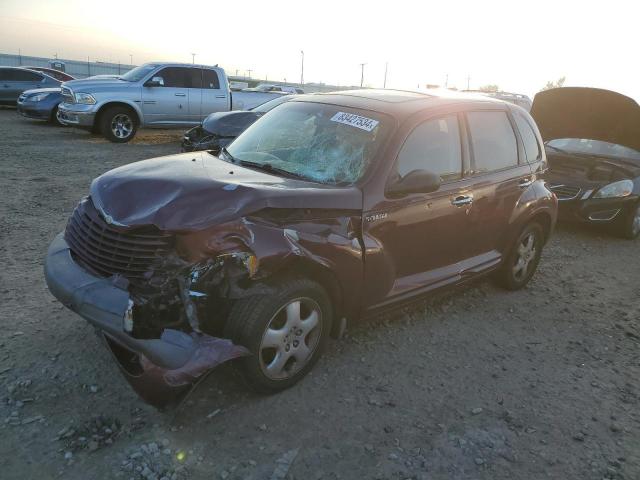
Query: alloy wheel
x=291 y=338
x=526 y=255
x=121 y=125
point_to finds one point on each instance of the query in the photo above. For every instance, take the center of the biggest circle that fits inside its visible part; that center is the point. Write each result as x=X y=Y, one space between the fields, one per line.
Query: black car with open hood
x=592 y=141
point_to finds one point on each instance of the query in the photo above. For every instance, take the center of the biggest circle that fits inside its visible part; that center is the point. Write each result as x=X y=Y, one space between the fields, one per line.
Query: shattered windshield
x=594 y=147
x=138 y=73
x=322 y=143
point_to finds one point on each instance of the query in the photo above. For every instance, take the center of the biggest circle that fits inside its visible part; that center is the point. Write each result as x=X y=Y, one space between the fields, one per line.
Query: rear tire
x=629 y=227
x=286 y=333
x=118 y=124
x=523 y=258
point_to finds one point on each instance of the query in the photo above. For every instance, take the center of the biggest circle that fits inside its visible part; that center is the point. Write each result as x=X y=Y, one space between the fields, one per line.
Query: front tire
x=286 y=333
x=55 y=119
x=629 y=228
x=118 y=124
x=522 y=261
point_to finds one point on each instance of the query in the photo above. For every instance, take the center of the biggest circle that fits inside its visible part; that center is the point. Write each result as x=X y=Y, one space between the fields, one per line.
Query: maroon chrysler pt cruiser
x=327 y=208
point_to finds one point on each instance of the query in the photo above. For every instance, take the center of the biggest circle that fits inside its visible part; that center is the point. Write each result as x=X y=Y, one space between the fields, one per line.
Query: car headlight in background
x=38 y=97
x=623 y=188
x=85 y=98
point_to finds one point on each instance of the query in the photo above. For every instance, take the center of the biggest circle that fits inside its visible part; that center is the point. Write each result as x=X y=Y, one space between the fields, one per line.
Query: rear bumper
x=76 y=115
x=160 y=370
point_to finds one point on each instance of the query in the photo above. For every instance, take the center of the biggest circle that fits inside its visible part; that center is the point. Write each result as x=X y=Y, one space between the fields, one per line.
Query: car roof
x=398 y=103
x=177 y=64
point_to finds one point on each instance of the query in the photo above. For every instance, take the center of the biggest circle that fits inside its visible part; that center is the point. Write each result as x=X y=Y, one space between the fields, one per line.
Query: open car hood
x=593 y=113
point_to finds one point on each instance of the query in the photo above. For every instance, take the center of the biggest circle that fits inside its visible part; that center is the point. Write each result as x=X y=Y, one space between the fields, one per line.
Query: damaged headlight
x=85 y=98
x=623 y=188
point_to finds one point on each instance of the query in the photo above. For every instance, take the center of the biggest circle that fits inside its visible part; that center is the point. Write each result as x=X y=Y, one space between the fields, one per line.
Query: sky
x=516 y=45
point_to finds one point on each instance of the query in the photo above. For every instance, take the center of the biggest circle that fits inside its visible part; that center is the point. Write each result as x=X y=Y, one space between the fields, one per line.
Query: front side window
x=434 y=146
x=175 y=77
x=529 y=139
x=322 y=143
x=493 y=141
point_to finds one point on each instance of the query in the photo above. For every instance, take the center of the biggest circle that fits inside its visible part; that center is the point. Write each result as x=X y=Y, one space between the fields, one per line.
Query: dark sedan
x=221 y=128
x=592 y=140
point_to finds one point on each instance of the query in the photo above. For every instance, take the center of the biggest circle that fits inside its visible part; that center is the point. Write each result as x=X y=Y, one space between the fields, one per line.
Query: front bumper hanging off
x=161 y=370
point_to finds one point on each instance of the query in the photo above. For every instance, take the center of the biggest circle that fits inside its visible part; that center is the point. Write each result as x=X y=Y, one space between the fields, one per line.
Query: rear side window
x=529 y=139
x=434 y=146
x=25 y=76
x=211 y=80
x=175 y=77
x=493 y=141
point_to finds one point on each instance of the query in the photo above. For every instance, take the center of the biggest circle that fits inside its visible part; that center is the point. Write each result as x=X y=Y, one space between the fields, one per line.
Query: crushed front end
x=145 y=300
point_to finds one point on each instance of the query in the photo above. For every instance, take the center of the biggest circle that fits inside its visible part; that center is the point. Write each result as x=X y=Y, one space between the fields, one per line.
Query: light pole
x=302 y=69
x=131 y=59
x=362 y=74
x=193 y=58
x=386 y=66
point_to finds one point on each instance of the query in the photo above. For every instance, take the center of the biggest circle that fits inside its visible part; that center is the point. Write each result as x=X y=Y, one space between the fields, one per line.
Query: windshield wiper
x=226 y=153
x=267 y=167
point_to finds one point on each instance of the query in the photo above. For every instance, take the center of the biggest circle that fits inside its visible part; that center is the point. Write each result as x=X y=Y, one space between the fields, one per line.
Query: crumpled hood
x=192 y=191
x=576 y=112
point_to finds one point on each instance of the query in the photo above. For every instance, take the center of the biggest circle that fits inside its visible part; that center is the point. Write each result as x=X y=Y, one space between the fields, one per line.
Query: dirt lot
x=479 y=384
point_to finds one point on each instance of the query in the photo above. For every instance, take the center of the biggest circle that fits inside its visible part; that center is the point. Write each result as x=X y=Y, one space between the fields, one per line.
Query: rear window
x=493 y=141
x=18 y=75
x=211 y=80
x=529 y=139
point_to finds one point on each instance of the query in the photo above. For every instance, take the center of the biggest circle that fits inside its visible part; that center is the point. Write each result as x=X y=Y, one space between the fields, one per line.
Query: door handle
x=525 y=182
x=462 y=200
x=221 y=96
x=181 y=94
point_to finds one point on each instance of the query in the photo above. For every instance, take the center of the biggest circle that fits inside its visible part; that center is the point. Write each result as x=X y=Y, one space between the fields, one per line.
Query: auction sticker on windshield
x=357 y=121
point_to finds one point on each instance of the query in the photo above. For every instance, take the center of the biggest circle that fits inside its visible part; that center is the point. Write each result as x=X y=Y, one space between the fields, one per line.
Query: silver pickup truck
x=152 y=95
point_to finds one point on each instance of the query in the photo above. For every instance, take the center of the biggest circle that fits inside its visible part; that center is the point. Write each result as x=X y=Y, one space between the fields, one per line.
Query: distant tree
x=491 y=88
x=557 y=84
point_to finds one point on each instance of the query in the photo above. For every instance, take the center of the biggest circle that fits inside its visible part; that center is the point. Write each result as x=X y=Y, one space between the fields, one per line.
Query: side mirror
x=155 y=82
x=416 y=181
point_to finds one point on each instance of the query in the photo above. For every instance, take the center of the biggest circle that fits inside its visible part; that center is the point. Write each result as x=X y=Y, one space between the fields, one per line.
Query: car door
x=20 y=80
x=167 y=104
x=215 y=98
x=500 y=175
x=419 y=241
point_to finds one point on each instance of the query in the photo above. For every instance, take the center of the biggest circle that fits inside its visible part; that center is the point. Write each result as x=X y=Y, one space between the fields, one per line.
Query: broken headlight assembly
x=623 y=188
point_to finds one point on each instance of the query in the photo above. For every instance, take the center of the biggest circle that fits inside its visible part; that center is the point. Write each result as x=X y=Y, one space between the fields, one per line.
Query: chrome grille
x=565 y=192
x=108 y=251
x=67 y=95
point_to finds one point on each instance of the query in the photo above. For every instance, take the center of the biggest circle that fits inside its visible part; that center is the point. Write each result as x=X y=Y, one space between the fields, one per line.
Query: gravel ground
x=477 y=384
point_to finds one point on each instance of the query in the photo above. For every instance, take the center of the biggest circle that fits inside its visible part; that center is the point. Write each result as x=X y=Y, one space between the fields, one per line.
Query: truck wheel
x=286 y=333
x=118 y=124
x=523 y=258
x=629 y=227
